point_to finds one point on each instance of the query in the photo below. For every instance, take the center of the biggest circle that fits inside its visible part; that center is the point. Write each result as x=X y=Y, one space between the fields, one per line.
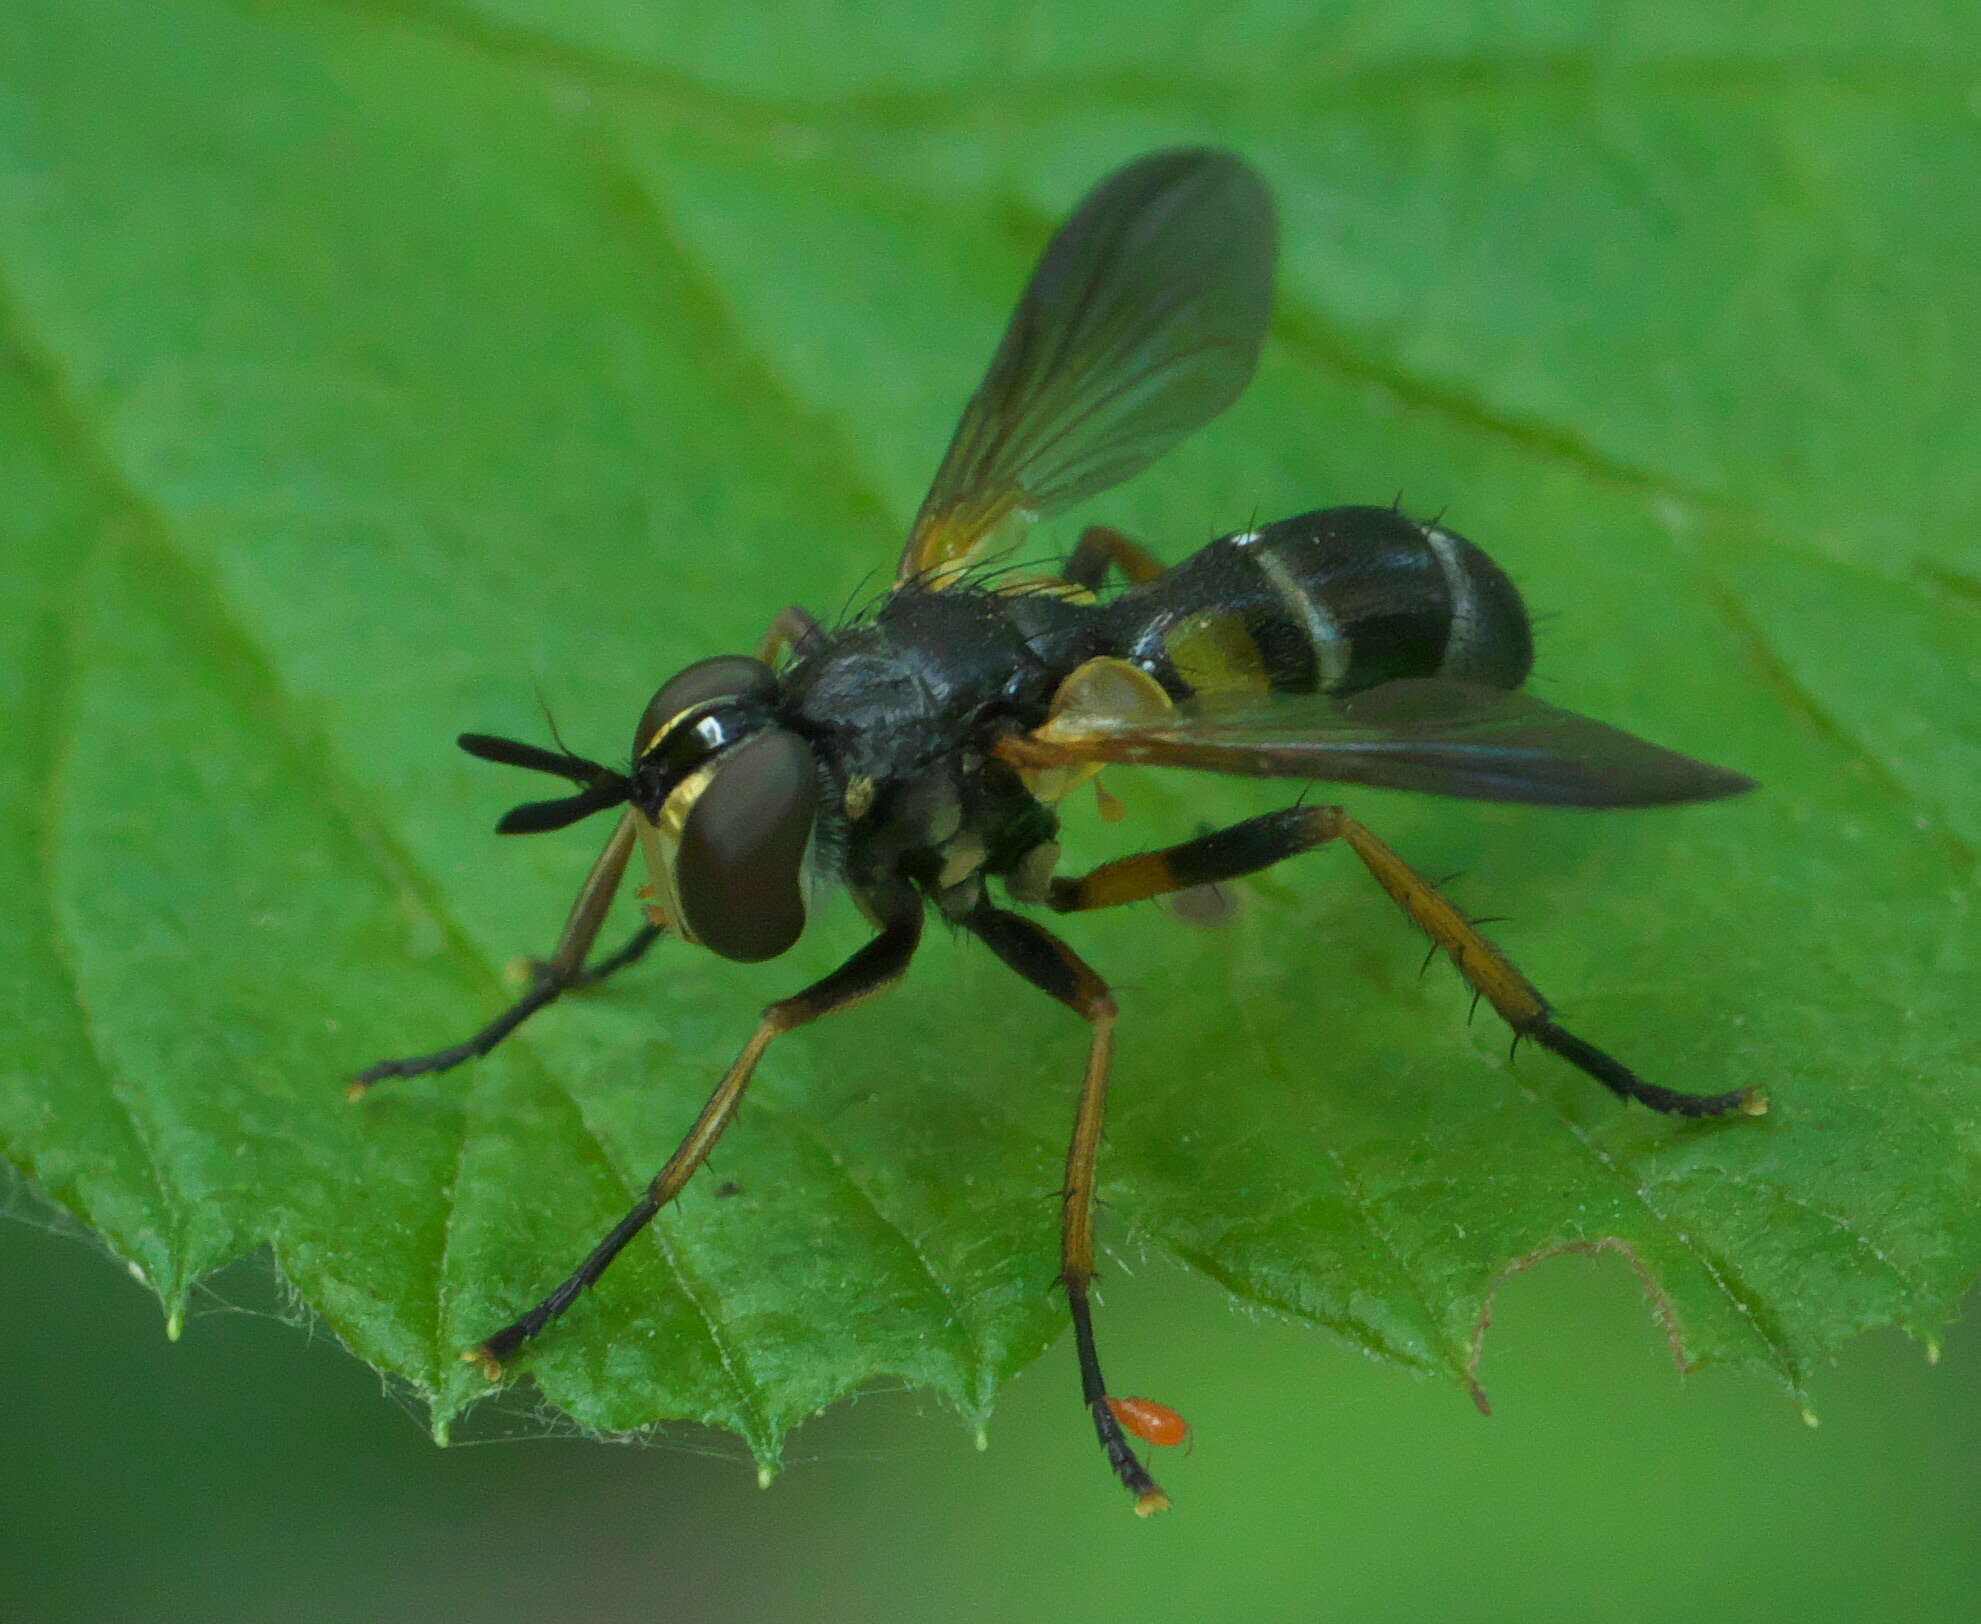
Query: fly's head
x=725 y=800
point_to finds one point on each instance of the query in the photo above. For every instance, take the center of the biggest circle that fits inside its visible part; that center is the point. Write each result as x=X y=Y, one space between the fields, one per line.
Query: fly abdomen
x=1337 y=600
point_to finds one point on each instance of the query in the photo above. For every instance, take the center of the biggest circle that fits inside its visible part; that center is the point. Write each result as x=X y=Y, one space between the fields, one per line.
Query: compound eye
x=739 y=873
x=726 y=676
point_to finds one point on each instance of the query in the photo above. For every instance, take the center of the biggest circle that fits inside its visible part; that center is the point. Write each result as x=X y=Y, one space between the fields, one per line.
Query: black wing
x=1141 y=323
x=1420 y=733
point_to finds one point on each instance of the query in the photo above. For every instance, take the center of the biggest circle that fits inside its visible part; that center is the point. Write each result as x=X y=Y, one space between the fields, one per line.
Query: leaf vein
x=1354 y=1196
x=973 y=1357
x=63 y=950
x=59 y=412
x=312 y=756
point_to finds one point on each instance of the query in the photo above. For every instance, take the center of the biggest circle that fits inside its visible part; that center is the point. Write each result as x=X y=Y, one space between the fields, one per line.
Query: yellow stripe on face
x=654 y=739
x=660 y=842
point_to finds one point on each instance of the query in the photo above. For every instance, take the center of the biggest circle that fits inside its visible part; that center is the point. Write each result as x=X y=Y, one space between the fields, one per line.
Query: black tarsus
x=634 y=950
x=545 y=992
x=1621 y=1081
x=1120 y=1453
x=545 y=989
x=504 y=1343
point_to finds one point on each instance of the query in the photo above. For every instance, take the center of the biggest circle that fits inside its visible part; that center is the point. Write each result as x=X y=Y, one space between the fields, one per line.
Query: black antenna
x=600 y=787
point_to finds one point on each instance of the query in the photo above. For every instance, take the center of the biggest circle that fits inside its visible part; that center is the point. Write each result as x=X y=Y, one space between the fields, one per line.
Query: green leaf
x=362 y=369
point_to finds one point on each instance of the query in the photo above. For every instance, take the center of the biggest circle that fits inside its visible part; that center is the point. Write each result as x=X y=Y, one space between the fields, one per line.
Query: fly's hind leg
x=550 y=978
x=1247 y=847
x=1053 y=967
x=1099 y=546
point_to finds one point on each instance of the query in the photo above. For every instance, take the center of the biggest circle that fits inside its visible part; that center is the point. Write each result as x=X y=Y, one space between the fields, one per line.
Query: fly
x=920 y=752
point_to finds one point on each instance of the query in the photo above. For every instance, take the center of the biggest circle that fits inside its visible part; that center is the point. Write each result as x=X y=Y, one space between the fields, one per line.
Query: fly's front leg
x=1053 y=967
x=549 y=978
x=1101 y=545
x=873 y=968
x=590 y=975
x=1257 y=843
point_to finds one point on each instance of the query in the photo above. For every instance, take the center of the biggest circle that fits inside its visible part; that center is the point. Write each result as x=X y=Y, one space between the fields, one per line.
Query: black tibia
x=1054 y=968
x=1099 y=546
x=1247 y=847
x=877 y=964
x=551 y=977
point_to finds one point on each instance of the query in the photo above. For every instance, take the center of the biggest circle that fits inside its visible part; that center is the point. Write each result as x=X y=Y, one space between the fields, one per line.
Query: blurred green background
x=374 y=359
x=251 y=1474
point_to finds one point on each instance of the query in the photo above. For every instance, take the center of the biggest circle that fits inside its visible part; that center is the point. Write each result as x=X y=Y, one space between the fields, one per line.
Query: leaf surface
x=363 y=368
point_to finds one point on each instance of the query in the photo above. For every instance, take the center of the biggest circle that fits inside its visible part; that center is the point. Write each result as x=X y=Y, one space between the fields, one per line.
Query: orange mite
x=1153 y=1423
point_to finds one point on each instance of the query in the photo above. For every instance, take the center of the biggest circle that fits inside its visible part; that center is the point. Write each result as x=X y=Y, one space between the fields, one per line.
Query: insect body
x=1152 y=1422
x=918 y=754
